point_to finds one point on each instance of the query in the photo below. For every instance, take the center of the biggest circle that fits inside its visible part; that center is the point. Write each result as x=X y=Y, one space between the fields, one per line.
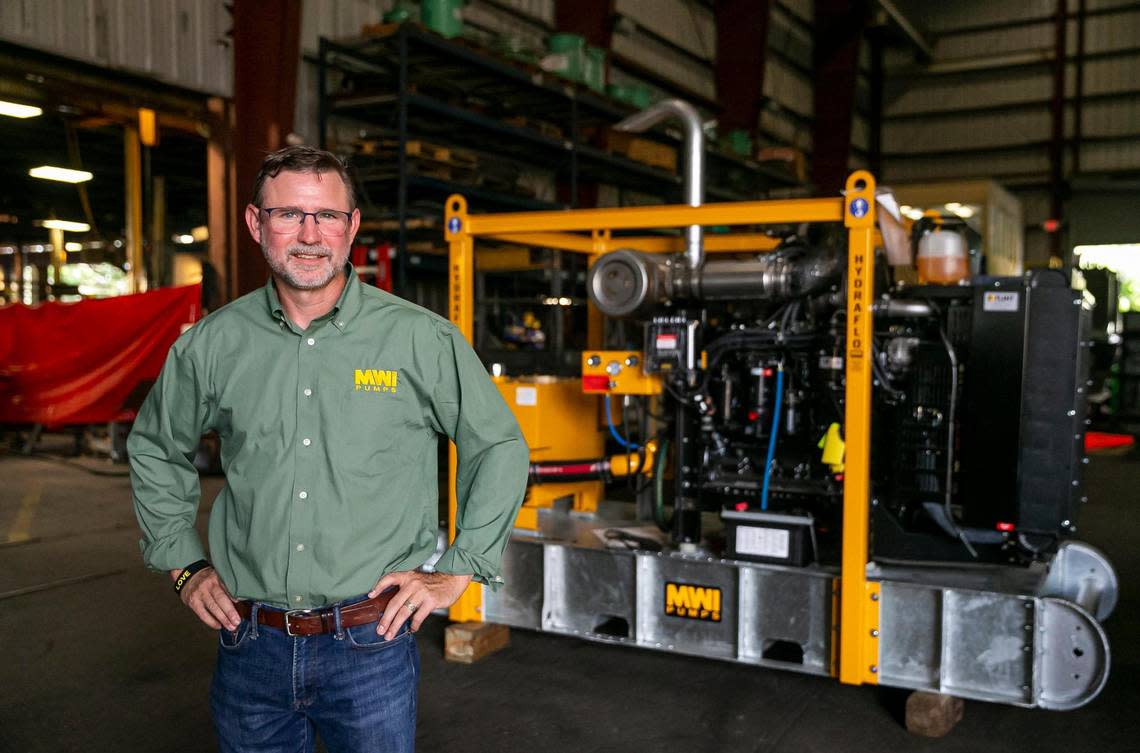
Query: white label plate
x=763 y=542
x=526 y=396
x=994 y=301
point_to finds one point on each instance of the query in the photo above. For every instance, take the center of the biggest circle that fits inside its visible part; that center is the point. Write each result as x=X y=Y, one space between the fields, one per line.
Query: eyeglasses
x=330 y=222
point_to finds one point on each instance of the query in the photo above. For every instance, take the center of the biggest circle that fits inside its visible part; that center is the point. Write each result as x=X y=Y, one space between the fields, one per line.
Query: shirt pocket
x=377 y=428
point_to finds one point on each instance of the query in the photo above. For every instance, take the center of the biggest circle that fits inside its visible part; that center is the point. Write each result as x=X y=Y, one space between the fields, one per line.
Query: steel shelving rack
x=405 y=82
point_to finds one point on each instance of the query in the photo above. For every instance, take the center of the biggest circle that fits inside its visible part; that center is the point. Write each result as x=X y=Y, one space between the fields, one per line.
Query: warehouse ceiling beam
x=838 y=34
x=742 y=45
x=267 y=50
x=47 y=79
x=912 y=33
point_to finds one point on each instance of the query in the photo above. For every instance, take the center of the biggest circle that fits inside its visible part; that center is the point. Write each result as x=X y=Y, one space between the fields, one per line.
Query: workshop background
x=132 y=131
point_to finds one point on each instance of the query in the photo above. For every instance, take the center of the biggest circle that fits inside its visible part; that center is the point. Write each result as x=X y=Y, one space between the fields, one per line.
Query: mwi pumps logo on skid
x=692 y=602
x=375 y=380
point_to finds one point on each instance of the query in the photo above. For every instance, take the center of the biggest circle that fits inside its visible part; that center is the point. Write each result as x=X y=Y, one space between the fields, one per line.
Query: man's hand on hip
x=417 y=595
x=207 y=596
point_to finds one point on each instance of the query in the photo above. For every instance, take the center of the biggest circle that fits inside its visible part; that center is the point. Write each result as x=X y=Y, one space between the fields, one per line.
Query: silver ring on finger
x=411 y=607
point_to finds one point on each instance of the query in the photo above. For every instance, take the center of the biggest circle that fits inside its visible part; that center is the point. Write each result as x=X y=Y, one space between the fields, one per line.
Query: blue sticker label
x=453 y=225
x=859 y=207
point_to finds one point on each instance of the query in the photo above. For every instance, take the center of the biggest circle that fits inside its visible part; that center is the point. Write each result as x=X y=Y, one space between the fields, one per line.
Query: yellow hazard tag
x=833 y=448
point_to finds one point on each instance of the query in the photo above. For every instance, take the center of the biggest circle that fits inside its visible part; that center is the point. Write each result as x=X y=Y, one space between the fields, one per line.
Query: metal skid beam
x=1008 y=643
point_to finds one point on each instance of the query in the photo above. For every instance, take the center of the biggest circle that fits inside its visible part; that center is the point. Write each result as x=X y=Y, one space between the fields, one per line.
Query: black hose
x=659 y=488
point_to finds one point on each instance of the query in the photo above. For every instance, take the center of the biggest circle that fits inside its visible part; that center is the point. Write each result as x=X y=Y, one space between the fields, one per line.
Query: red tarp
x=77 y=363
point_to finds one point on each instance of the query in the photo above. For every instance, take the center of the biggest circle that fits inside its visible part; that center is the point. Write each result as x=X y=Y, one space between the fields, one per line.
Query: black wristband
x=188 y=573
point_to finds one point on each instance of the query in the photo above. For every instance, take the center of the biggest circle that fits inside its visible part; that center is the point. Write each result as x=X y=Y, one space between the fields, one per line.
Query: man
x=329 y=397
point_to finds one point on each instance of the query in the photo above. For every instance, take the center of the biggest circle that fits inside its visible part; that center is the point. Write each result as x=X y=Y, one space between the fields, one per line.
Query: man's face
x=303 y=257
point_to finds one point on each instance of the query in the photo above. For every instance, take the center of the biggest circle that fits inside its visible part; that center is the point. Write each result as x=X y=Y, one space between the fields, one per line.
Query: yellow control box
x=617 y=372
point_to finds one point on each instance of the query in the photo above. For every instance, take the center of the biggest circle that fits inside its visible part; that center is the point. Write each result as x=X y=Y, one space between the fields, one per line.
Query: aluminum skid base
x=1007 y=635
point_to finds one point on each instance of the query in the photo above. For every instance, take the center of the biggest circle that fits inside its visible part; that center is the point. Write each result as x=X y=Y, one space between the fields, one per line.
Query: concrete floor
x=100 y=656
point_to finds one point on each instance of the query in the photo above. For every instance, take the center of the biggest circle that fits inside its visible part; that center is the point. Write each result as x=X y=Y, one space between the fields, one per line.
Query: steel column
x=221 y=204
x=1079 y=94
x=267 y=49
x=1057 y=140
x=838 y=33
x=133 y=219
x=742 y=51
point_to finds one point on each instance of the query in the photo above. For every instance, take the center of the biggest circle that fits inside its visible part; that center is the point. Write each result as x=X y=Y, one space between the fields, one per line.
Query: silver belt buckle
x=290 y=613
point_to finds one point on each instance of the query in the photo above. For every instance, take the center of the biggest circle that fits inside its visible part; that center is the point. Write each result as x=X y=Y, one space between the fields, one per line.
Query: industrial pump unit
x=839 y=474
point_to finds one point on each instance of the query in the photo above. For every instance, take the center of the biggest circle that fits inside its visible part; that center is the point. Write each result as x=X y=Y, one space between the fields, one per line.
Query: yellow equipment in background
x=559 y=423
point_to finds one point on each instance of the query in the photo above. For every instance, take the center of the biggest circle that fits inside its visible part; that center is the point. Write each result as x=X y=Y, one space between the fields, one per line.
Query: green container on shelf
x=594 y=72
x=740 y=142
x=620 y=92
x=568 y=55
x=444 y=17
x=639 y=96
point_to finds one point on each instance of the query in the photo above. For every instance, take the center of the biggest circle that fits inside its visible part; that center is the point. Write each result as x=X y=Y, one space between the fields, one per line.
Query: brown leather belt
x=317 y=621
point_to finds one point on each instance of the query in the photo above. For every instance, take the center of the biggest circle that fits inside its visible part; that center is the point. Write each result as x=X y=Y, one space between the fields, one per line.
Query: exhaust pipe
x=694 y=175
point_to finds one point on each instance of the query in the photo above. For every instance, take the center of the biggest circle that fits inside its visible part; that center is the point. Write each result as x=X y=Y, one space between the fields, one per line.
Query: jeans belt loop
x=253 y=620
x=339 y=627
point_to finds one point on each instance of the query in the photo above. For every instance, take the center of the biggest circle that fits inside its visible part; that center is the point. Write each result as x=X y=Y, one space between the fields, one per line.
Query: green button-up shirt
x=329 y=445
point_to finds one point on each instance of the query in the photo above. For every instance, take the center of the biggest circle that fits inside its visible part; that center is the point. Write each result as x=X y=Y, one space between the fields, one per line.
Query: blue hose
x=613 y=429
x=772 y=436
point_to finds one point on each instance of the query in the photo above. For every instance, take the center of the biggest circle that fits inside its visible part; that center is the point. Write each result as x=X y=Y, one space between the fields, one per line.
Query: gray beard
x=281 y=269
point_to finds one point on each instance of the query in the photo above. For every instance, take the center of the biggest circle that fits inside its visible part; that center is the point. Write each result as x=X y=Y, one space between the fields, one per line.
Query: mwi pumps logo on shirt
x=375 y=380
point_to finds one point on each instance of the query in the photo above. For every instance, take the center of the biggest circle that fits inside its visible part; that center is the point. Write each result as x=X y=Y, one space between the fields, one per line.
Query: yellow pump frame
x=858 y=615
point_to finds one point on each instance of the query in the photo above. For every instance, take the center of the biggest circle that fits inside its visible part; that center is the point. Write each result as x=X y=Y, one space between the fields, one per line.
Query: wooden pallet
x=389 y=148
x=544 y=127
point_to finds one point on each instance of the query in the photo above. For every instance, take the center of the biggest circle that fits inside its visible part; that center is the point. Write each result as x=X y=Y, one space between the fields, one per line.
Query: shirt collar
x=345 y=309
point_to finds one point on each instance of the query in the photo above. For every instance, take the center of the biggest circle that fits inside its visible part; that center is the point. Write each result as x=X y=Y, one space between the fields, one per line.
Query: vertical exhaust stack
x=694 y=175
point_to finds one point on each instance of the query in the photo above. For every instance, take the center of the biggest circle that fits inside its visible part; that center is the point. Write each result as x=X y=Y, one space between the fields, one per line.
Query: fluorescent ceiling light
x=66 y=225
x=185 y=239
x=72 y=246
x=914 y=214
x=13 y=110
x=63 y=174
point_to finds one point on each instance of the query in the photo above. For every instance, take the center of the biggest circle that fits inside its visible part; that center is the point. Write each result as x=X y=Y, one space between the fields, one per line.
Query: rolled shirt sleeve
x=492 y=460
x=161 y=449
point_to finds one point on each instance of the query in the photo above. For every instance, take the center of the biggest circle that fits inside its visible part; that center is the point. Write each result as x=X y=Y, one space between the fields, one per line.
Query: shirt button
x=300 y=547
x=340 y=324
x=303 y=495
x=308 y=392
x=311 y=341
x=297 y=598
x=306 y=441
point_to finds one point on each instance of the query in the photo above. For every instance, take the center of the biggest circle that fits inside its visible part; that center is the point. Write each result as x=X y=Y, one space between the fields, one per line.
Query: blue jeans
x=273 y=692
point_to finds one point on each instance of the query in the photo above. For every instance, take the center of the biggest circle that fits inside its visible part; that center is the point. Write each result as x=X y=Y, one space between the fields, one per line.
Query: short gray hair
x=302 y=159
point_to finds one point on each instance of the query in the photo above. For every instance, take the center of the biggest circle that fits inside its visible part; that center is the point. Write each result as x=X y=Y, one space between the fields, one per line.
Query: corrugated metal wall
x=982 y=107
x=181 y=42
x=786 y=120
